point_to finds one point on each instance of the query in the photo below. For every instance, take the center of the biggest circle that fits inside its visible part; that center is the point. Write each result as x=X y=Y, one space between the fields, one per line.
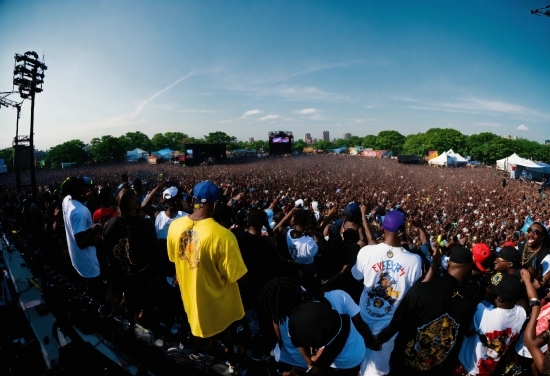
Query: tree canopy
x=485 y=147
x=67 y=152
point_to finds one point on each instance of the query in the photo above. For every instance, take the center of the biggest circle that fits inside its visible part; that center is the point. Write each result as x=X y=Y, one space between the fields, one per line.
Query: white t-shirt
x=354 y=349
x=545 y=264
x=162 y=223
x=501 y=327
x=302 y=249
x=78 y=219
x=388 y=273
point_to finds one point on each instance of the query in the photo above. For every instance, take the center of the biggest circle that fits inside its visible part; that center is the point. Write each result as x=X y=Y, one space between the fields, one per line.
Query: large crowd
x=342 y=264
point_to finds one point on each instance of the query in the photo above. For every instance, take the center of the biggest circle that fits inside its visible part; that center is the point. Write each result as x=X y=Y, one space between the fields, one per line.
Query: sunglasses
x=534 y=231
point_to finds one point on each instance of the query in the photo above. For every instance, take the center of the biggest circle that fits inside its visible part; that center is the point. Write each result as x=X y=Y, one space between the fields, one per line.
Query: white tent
x=514 y=160
x=443 y=159
x=457 y=157
x=134 y=155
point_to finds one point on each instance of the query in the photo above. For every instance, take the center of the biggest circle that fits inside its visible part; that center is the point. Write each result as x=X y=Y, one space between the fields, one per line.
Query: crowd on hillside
x=423 y=262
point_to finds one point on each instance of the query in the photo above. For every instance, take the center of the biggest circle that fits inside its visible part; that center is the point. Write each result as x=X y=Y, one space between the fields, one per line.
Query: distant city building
x=347 y=136
x=250 y=139
x=547 y=142
x=326 y=136
x=510 y=137
x=307 y=138
x=314 y=140
x=334 y=139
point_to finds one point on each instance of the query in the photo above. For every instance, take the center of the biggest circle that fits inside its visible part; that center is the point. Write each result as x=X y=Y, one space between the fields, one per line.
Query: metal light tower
x=28 y=75
x=9 y=103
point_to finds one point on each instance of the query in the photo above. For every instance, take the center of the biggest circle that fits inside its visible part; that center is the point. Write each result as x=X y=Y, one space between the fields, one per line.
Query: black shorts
x=240 y=332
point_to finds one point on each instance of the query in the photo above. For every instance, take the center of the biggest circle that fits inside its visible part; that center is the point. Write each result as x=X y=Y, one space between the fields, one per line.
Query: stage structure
x=28 y=75
x=196 y=154
x=280 y=142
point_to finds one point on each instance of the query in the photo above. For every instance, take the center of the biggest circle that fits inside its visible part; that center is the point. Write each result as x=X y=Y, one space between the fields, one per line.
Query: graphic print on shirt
x=434 y=341
x=381 y=298
x=293 y=250
x=189 y=248
x=496 y=343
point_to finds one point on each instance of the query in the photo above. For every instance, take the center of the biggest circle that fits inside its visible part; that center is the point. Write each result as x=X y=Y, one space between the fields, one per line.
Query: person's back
x=260 y=256
x=208 y=266
x=496 y=327
x=427 y=339
x=388 y=271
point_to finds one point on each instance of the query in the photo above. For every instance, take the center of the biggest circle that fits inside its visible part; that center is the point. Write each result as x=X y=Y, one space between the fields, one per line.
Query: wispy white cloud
x=144 y=103
x=490 y=125
x=483 y=106
x=400 y=98
x=522 y=127
x=250 y=113
x=292 y=93
x=129 y=118
x=306 y=111
x=270 y=117
x=199 y=111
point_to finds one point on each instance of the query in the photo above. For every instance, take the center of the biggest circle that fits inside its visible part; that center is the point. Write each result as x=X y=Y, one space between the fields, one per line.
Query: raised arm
x=369 y=231
x=532 y=342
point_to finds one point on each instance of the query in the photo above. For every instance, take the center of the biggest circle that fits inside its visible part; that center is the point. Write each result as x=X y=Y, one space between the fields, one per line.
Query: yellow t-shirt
x=208 y=265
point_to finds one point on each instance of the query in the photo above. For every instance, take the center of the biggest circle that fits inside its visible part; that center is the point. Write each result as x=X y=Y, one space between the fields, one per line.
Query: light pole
x=8 y=103
x=28 y=75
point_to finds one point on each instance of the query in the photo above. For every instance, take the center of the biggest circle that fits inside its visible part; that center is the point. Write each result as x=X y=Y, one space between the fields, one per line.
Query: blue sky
x=249 y=67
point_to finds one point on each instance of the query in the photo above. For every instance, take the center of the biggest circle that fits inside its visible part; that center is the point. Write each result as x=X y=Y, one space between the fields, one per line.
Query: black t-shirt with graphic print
x=432 y=319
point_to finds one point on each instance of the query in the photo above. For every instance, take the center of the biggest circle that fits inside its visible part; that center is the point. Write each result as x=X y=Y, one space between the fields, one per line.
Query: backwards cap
x=394 y=221
x=206 y=192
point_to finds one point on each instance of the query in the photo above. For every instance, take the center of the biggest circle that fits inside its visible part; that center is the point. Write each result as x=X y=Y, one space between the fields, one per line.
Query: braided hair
x=304 y=219
x=256 y=217
x=280 y=297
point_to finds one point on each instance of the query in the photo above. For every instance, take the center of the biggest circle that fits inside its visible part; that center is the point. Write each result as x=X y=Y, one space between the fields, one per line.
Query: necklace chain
x=527 y=256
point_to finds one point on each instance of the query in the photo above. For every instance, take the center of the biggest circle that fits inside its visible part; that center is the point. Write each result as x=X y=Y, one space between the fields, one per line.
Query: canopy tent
x=134 y=155
x=339 y=150
x=443 y=159
x=515 y=160
x=545 y=167
x=164 y=153
x=457 y=157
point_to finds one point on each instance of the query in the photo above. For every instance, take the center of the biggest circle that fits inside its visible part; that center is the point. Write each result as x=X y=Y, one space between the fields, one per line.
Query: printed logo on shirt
x=434 y=341
x=189 y=248
x=381 y=298
x=496 y=343
x=389 y=266
x=293 y=252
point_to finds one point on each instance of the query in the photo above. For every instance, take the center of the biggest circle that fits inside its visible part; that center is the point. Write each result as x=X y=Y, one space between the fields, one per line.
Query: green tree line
x=485 y=147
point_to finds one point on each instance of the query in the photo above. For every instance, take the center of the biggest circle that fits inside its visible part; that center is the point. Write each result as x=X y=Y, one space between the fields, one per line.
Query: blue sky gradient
x=248 y=67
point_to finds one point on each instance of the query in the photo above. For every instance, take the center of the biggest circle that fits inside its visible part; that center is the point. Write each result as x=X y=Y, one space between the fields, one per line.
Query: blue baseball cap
x=352 y=211
x=206 y=192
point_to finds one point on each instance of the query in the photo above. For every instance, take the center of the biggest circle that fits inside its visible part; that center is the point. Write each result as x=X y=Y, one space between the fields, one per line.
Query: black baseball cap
x=461 y=255
x=506 y=286
x=510 y=254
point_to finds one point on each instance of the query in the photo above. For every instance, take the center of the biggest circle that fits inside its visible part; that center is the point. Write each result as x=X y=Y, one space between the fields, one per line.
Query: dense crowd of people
x=326 y=264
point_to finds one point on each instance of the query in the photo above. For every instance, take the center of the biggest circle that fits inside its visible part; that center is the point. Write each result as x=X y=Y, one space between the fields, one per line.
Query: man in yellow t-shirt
x=208 y=265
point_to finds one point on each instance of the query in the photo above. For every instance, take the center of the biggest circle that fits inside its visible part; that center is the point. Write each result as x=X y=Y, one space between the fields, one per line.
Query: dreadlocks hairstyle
x=545 y=243
x=304 y=219
x=256 y=217
x=280 y=297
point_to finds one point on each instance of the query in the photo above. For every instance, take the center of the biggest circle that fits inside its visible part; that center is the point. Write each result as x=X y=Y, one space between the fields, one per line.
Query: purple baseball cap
x=394 y=221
